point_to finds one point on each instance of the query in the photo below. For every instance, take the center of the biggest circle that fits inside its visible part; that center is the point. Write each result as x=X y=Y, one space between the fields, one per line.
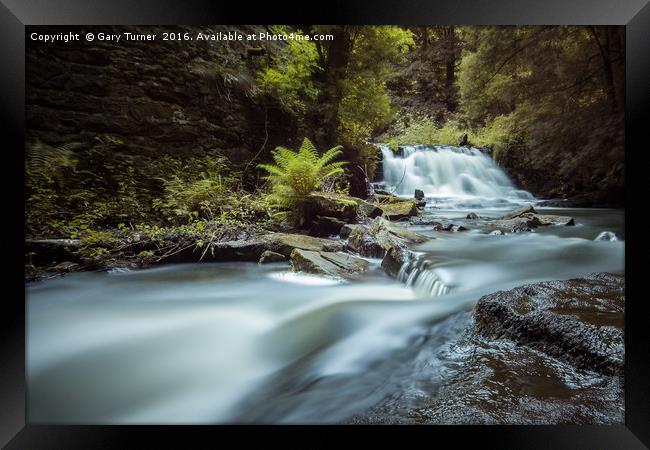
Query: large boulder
x=529 y=221
x=325 y=226
x=519 y=211
x=326 y=204
x=285 y=243
x=335 y=264
x=579 y=321
x=268 y=257
x=374 y=240
x=367 y=209
x=400 y=210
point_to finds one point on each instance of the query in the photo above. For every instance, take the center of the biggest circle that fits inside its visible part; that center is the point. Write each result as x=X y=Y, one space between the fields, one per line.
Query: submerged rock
x=606 y=236
x=529 y=221
x=472 y=216
x=336 y=264
x=579 y=321
x=271 y=257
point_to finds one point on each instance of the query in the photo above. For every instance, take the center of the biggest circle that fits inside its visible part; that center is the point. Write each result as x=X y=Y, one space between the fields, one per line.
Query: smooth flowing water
x=240 y=342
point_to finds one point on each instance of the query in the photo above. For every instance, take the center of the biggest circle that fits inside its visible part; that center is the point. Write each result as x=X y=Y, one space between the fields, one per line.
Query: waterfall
x=447 y=172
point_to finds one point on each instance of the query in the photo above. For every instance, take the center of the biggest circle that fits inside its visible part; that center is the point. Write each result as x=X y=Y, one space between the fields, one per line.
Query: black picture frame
x=16 y=14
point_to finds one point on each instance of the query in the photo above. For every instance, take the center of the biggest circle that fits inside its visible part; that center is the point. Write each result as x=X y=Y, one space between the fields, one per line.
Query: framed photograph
x=374 y=217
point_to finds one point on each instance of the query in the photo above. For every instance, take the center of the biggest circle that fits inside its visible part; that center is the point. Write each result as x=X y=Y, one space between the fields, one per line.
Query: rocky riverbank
x=543 y=353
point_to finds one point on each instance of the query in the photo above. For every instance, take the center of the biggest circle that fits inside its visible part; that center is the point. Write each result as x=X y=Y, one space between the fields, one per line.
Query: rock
x=529 y=221
x=47 y=251
x=519 y=211
x=285 y=243
x=365 y=243
x=395 y=258
x=347 y=229
x=65 y=266
x=579 y=321
x=421 y=204
x=419 y=195
x=423 y=220
x=497 y=233
x=400 y=210
x=271 y=257
x=472 y=216
x=606 y=236
x=376 y=239
x=367 y=209
x=326 y=226
x=464 y=140
x=547 y=219
x=338 y=206
x=336 y=264
x=386 y=198
x=448 y=227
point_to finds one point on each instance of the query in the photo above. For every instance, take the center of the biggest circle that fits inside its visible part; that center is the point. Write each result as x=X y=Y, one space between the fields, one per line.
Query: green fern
x=296 y=174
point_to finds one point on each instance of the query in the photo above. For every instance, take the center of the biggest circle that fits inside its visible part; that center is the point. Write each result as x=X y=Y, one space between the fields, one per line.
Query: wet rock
x=419 y=194
x=519 y=211
x=423 y=220
x=529 y=221
x=472 y=216
x=324 y=204
x=606 y=236
x=347 y=229
x=271 y=257
x=448 y=227
x=386 y=198
x=336 y=264
x=497 y=233
x=579 y=321
x=66 y=266
x=400 y=210
x=285 y=243
x=367 y=209
x=376 y=239
x=326 y=226
x=394 y=259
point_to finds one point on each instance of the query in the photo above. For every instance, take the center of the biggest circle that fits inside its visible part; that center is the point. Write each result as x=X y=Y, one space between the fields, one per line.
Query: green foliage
x=288 y=77
x=296 y=174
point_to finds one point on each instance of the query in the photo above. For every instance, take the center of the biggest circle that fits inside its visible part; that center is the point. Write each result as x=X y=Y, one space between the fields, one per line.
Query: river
x=242 y=342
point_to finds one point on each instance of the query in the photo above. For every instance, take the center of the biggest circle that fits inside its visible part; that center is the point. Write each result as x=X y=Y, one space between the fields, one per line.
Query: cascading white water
x=449 y=172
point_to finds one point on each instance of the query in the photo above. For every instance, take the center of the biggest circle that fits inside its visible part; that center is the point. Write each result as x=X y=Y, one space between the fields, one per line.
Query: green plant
x=296 y=174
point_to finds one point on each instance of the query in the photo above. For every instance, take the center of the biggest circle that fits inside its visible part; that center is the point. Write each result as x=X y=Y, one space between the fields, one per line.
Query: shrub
x=296 y=174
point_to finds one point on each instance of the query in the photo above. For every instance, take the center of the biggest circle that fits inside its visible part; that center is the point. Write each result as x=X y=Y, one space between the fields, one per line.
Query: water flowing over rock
x=579 y=321
x=606 y=236
x=448 y=172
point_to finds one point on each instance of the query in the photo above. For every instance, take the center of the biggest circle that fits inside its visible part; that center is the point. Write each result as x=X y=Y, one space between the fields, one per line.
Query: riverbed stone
x=375 y=239
x=324 y=226
x=579 y=321
x=519 y=211
x=339 y=206
x=366 y=209
x=400 y=210
x=271 y=257
x=285 y=243
x=336 y=264
x=472 y=216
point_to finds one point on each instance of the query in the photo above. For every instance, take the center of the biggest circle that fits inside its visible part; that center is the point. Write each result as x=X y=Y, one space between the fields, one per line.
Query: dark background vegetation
x=155 y=134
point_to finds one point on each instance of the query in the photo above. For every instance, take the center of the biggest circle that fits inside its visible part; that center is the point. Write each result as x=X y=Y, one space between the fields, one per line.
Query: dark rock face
x=46 y=251
x=332 y=205
x=337 y=264
x=419 y=195
x=579 y=321
x=271 y=257
x=155 y=96
x=326 y=226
